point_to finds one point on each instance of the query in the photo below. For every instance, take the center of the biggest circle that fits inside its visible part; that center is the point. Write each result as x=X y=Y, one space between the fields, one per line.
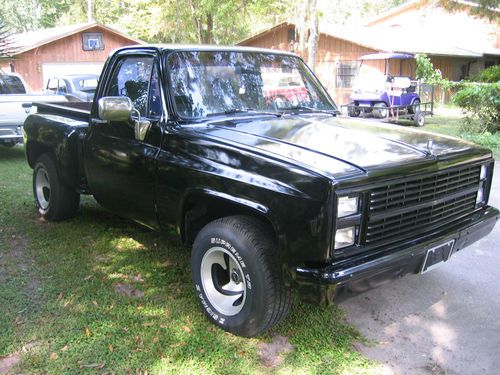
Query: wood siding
x=65 y=50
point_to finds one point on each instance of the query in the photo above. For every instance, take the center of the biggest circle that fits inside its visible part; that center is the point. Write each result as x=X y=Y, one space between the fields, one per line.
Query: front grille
x=401 y=209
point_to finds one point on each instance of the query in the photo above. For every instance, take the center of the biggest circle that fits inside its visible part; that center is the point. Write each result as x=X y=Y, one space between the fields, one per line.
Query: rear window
x=11 y=85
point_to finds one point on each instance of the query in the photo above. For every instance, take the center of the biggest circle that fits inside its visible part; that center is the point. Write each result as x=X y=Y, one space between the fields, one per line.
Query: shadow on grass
x=85 y=325
x=12 y=153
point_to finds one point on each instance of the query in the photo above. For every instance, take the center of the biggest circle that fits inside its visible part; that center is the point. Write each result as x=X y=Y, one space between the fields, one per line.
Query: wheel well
x=200 y=210
x=34 y=150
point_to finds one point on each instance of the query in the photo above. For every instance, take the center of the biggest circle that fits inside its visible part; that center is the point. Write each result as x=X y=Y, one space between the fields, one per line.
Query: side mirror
x=115 y=108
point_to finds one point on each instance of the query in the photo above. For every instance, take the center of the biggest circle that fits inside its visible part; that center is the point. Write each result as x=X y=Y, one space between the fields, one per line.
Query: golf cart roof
x=386 y=56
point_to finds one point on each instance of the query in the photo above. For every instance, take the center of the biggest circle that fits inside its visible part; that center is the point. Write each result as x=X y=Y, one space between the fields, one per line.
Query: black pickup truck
x=243 y=152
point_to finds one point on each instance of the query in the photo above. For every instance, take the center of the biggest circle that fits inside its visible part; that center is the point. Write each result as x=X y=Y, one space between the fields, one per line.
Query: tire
x=238 y=277
x=54 y=200
x=414 y=107
x=419 y=119
x=352 y=111
x=380 y=110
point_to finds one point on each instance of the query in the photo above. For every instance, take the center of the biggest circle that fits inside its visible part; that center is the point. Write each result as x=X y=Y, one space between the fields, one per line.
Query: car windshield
x=207 y=83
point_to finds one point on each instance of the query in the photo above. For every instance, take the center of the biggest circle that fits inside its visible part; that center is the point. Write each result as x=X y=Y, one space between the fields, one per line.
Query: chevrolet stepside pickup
x=274 y=191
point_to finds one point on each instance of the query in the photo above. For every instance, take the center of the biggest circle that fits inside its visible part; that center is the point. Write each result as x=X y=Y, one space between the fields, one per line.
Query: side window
x=52 y=85
x=62 y=87
x=131 y=77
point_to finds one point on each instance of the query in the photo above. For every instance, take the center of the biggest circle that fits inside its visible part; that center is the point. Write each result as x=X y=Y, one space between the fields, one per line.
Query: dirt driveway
x=444 y=322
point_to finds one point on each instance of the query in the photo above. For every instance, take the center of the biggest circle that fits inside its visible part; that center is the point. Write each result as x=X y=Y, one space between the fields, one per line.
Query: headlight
x=481 y=193
x=344 y=237
x=347 y=206
x=484 y=170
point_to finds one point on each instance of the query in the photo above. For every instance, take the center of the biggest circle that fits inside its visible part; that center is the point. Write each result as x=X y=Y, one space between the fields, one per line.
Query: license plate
x=436 y=255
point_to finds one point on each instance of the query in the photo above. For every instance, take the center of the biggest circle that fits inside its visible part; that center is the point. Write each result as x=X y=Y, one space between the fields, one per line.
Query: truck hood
x=336 y=145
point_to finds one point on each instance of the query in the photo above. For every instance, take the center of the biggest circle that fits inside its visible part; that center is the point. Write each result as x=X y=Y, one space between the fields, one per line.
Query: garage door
x=60 y=69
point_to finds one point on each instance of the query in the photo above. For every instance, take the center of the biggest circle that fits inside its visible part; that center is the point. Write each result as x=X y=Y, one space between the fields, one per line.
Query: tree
x=488 y=9
x=5 y=47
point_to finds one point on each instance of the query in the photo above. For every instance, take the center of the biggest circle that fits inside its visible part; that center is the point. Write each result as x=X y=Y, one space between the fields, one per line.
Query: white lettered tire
x=238 y=277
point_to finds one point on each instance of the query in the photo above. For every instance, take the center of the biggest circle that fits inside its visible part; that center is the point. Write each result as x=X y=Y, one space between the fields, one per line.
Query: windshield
x=370 y=79
x=211 y=83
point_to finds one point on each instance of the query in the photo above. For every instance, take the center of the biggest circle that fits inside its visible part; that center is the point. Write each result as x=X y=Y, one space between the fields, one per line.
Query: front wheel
x=237 y=276
x=353 y=110
x=55 y=201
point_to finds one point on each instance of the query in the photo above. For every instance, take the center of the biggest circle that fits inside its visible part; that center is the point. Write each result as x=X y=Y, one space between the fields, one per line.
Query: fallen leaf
x=163 y=326
x=53 y=356
x=148 y=324
x=156 y=339
x=128 y=291
x=64 y=348
x=59 y=297
x=87 y=331
x=95 y=303
x=138 y=278
x=110 y=347
x=66 y=303
x=88 y=277
x=185 y=328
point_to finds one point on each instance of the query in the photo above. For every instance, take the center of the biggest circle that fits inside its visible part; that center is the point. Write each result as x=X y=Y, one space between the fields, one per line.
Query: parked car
x=15 y=105
x=75 y=88
x=375 y=92
x=271 y=198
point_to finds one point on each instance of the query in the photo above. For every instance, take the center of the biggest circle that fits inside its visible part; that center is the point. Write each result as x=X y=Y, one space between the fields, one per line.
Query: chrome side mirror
x=115 y=108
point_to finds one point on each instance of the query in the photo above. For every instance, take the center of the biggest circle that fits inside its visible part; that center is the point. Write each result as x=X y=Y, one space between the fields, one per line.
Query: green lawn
x=99 y=294
x=448 y=122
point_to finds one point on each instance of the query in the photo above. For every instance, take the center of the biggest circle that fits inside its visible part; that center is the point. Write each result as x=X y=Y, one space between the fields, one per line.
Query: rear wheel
x=380 y=110
x=55 y=201
x=419 y=119
x=237 y=276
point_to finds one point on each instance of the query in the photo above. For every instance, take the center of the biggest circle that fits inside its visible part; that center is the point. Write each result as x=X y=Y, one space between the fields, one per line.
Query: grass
x=448 y=121
x=99 y=294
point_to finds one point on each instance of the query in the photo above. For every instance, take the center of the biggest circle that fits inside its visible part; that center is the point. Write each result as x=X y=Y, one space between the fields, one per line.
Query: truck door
x=120 y=169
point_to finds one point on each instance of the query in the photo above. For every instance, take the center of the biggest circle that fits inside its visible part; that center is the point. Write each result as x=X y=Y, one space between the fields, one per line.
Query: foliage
x=489 y=75
x=100 y=294
x=5 y=48
x=425 y=71
x=481 y=103
x=487 y=9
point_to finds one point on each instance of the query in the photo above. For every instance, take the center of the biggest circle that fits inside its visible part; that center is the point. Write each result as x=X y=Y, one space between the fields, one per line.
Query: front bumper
x=11 y=134
x=365 y=272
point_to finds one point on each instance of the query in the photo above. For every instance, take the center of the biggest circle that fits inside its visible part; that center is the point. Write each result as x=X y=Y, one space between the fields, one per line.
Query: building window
x=93 y=41
x=346 y=71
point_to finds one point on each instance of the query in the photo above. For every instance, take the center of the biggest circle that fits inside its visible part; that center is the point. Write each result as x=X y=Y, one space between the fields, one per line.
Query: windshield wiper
x=249 y=111
x=332 y=112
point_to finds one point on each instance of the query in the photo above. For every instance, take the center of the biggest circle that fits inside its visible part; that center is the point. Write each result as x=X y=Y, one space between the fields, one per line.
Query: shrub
x=481 y=104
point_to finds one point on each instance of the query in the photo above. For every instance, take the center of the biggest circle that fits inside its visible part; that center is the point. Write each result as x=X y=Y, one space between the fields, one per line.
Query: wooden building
x=458 y=44
x=81 y=48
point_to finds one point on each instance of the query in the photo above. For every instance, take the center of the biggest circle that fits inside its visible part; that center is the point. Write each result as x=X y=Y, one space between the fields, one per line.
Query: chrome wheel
x=42 y=188
x=223 y=281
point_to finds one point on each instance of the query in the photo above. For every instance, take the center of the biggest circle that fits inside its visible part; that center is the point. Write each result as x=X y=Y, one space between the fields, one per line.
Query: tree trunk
x=210 y=27
x=313 y=34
